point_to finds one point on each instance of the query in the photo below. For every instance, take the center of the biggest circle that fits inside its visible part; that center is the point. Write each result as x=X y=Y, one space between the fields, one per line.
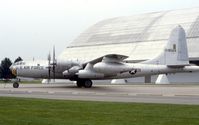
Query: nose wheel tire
x=15 y=85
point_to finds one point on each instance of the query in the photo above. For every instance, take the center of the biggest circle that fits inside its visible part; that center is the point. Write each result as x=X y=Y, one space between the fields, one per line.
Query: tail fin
x=175 y=52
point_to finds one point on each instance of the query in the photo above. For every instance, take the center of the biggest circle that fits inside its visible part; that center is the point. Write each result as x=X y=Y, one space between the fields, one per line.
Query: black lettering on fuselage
x=33 y=67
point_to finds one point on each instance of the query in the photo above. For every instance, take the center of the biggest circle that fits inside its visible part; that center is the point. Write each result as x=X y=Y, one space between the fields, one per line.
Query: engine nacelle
x=112 y=68
x=74 y=69
x=66 y=73
x=71 y=71
x=89 y=74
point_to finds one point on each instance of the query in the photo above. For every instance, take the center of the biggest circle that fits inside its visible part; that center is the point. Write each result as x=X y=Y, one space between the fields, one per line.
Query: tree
x=1 y=76
x=18 y=59
x=5 y=71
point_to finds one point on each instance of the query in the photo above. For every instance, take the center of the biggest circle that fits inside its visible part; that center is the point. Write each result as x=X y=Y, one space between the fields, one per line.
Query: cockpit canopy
x=19 y=63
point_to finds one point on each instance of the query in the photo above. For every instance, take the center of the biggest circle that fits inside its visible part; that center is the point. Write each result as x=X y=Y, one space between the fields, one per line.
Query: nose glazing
x=13 y=70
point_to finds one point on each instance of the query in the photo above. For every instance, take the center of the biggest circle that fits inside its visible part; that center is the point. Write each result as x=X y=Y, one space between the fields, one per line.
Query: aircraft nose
x=11 y=67
x=13 y=70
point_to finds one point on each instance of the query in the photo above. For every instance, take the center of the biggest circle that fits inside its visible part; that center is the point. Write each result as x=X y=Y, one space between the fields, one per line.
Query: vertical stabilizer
x=175 y=52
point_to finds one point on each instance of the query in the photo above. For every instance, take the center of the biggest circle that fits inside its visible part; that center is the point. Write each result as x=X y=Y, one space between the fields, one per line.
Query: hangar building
x=140 y=37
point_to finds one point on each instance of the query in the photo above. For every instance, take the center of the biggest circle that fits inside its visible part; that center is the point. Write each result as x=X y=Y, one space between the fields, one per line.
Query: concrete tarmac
x=170 y=94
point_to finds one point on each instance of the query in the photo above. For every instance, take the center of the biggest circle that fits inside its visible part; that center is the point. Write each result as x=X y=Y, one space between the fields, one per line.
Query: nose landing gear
x=15 y=85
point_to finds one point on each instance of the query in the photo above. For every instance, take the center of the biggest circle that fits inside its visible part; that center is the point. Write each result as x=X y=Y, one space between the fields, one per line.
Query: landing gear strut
x=87 y=83
x=15 y=85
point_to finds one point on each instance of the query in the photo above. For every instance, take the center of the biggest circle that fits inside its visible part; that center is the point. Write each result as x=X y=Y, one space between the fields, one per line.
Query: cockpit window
x=19 y=63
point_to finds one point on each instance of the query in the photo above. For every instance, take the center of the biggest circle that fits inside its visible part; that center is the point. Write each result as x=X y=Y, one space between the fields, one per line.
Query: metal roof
x=140 y=36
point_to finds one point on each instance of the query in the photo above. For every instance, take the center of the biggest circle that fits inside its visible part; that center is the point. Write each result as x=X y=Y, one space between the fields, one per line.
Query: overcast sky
x=30 y=28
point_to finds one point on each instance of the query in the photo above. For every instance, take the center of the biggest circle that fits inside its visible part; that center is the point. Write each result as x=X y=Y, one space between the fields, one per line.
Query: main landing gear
x=87 y=83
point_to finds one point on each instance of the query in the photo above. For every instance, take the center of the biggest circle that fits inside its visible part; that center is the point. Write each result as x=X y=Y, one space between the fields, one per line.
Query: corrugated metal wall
x=140 y=37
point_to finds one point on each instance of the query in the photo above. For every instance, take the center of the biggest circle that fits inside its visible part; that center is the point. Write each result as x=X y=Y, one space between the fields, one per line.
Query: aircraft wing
x=88 y=66
x=106 y=65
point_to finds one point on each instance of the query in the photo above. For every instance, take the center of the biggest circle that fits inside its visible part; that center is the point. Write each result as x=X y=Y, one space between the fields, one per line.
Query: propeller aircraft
x=172 y=59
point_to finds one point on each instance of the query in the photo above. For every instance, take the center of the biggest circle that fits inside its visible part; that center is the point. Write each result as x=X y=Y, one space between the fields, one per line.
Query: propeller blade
x=54 y=60
x=54 y=63
x=49 y=58
x=49 y=67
